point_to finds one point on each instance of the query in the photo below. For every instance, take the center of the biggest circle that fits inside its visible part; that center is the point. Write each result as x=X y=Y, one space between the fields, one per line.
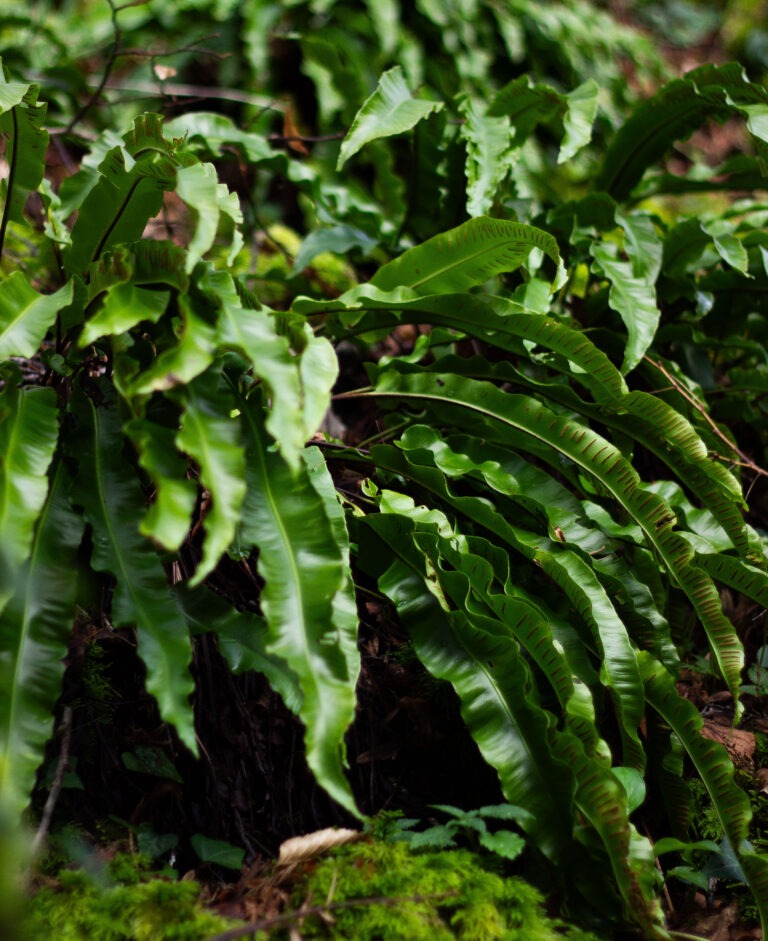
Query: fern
x=554 y=488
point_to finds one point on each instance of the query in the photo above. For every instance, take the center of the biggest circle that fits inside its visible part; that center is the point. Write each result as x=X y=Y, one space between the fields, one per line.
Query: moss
x=130 y=906
x=431 y=896
x=328 y=275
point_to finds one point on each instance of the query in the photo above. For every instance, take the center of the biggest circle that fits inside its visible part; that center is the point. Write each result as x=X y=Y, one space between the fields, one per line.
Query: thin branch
x=305 y=139
x=289 y=917
x=177 y=90
x=110 y=64
x=166 y=53
x=747 y=461
x=58 y=779
x=117 y=52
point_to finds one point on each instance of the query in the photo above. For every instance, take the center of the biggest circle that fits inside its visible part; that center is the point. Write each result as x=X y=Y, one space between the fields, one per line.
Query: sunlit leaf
x=26 y=316
x=489 y=154
x=198 y=186
x=467 y=255
x=390 y=110
x=579 y=118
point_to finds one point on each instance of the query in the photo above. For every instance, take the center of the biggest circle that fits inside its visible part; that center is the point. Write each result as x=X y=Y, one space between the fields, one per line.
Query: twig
x=117 y=52
x=305 y=138
x=747 y=461
x=287 y=917
x=177 y=90
x=53 y=795
x=110 y=64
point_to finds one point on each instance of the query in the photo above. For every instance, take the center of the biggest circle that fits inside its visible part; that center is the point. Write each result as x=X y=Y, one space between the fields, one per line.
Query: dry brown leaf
x=739 y=744
x=291 y=130
x=300 y=848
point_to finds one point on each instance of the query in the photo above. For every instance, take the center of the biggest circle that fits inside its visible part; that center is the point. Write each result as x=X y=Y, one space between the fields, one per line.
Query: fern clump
x=134 y=907
x=412 y=896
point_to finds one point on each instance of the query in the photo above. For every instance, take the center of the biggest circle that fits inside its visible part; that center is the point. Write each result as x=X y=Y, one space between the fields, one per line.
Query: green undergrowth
x=372 y=889
x=422 y=895
x=125 y=902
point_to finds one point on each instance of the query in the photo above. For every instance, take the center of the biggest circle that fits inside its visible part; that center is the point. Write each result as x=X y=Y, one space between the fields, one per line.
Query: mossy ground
x=124 y=903
x=365 y=891
x=432 y=896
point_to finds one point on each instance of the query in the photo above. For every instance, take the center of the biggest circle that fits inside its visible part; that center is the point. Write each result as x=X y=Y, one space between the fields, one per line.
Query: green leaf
x=530 y=623
x=108 y=490
x=535 y=763
x=168 y=518
x=642 y=244
x=673 y=114
x=344 y=601
x=26 y=145
x=737 y=574
x=242 y=639
x=503 y=843
x=151 y=760
x=470 y=254
x=338 y=239
x=602 y=801
x=154 y=845
x=478 y=315
x=634 y=785
x=388 y=111
x=211 y=437
x=214 y=132
x=176 y=365
x=198 y=186
x=26 y=316
x=11 y=93
x=255 y=334
x=461 y=398
x=303 y=566
x=634 y=299
x=34 y=632
x=525 y=105
x=715 y=770
x=28 y=433
x=489 y=154
x=129 y=192
x=511 y=732
x=318 y=371
x=438 y=837
x=579 y=118
x=728 y=246
x=217 y=852
x=124 y=306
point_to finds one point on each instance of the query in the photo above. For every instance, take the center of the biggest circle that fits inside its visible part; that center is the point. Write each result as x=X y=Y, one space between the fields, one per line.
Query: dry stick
x=53 y=795
x=748 y=462
x=195 y=91
x=287 y=917
x=114 y=53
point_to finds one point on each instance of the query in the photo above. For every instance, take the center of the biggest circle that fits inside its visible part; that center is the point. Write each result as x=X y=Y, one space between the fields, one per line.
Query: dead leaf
x=291 y=131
